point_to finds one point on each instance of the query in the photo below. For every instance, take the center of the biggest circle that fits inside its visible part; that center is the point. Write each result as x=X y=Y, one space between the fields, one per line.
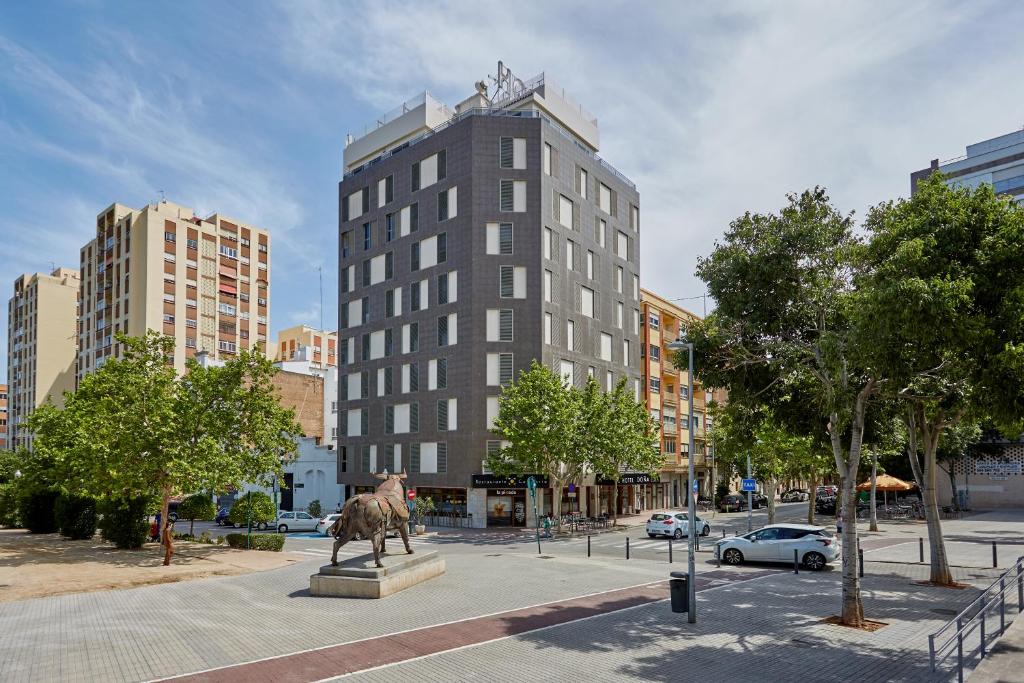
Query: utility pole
x=750 y=500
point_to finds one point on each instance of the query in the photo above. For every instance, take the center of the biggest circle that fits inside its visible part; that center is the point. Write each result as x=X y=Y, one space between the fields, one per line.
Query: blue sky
x=711 y=108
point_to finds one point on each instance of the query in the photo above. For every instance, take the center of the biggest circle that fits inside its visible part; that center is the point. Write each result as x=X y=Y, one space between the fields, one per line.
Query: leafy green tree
x=197 y=506
x=133 y=428
x=76 y=516
x=123 y=521
x=783 y=284
x=315 y=509
x=940 y=301
x=254 y=507
x=540 y=417
x=960 y=444
x=618 y=435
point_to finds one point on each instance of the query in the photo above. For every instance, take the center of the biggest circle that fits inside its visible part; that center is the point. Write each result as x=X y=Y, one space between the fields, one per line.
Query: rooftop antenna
x=163 y=200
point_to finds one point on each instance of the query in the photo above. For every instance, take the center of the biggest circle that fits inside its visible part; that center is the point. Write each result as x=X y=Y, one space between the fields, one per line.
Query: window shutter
x=442 y=247
x=389 y=342
x=364 y=421
x=414 y=377
x=389 y=420
x=366 y=198
x=389 y=303
x=442 y=164
x=389 y=265
x=414 y=337
x=366 y=273
x=506 y=282
x=414 y=256
x=389 y=456
x=442 y=373
x=505 y=239
x=442 y=331
x=365 y=464
x=416 y=176
x=388 y=381
x=505 y=325
x=442 y=415
x=615 y=202
x=506 y=199
x=442 y=457
x=415 y=294
x=414 y=458
x=577 y=332
x=442 y=289
x=414 y=217
x=344 y=315
x=505 y=369
x=389 y=188
x=414 y=417
x=505 y=153
x=364 y=383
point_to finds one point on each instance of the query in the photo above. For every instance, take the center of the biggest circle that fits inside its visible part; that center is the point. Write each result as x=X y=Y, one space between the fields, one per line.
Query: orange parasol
x=887 y=482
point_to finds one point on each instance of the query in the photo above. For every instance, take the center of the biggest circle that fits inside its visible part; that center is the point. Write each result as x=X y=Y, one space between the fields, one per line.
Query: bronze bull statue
x=372 y=516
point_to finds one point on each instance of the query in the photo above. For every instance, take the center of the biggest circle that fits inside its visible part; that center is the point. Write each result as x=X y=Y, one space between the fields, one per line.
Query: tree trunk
x=615 y=503
x=951 y=473
x=772 y=485
x=874 y=482
x=192 y=527
x=925 y=475
x=812 y=496
x=556 y=501
x=165 y=533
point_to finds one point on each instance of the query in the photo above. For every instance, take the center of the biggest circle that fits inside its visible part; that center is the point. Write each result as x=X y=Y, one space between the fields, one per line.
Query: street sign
x=412 y=494
x=696 y=485
x=749 y=485
x=531 y=484
x=572 y=488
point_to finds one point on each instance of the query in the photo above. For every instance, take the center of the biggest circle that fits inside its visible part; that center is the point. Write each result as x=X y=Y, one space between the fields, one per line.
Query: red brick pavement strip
x=337 y=660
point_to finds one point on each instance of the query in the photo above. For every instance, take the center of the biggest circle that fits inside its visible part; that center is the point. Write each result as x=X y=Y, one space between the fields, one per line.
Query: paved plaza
x=501 y=612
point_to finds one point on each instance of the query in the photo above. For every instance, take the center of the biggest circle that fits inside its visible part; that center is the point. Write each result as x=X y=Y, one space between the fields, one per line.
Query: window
x=618 y=279
x=619 y=311
x=168 y=318
x=499 y=239
x=365 y=306
x=227 y=251
x=226 y=346
x=636 y=287
x=437 y=374
x=547 y=328
x=567 y=369
x=226 y=309
x=604 y=199
x=414 y=256
x=655 y=353
x=621 y=245
x=634 y=218
x=367 y=236
x=499 y=369
x=570 y=335
x=447 y=287
x=600 y=231
x=549 y=239
x=636 y=321
x=581 y=181
x=587 y=301
x=590 y=266
x=447 y=415
x=192 y=244
x=346 y=242
x=447 y=204
x=626 y=352
x=506 y=282
x=389 y=302
x=442 y=247
x=170 y=237
x=447 y=326
x=609 y=381
x=604 y=352
x=366 y=272
x=512 y=195
x=570 y=255
x=655 y=385
x=499 y=325
x=670 y=445
x=547 y=286
x=512 y=153
x=389 y=227
x=565 y=210
x=418 y=296
x=385 y=190
x=410 y=338
x=654 y=320
x=547 y=159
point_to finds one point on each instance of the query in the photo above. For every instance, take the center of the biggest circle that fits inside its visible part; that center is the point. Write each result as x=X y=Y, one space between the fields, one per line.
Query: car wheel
x=650 y=535
x=814 y=561
x=282 y=529
x=732 y=556
x=706 y=530
x=677 y=534
x=262 y=526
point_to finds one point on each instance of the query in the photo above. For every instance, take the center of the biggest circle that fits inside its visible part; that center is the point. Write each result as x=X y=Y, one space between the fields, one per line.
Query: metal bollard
x=920 y=548
x=995 y=556
x=796 y=561
x=588 y=545
x=723 y=533
x=696 y=541
x=860 y=559
x=627 y=547
x=718 y=558
x=670 y=551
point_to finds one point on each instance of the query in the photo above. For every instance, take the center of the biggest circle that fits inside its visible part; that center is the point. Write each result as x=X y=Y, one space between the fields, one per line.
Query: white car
x=815 y=546
x=325 y=524
x=295 y=521
x=674 y=524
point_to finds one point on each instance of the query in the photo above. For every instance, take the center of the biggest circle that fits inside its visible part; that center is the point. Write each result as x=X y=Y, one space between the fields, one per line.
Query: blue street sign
x=696 y=485
x=572 y=488
x=749 y=485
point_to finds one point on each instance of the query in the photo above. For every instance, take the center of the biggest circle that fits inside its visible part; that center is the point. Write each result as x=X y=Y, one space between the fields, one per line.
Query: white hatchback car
x=295 y=521
x=674 y=524
x=324 y=524
x=814 y=545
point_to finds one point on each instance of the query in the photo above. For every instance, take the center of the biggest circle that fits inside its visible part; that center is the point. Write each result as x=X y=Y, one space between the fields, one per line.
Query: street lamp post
x=691 y=508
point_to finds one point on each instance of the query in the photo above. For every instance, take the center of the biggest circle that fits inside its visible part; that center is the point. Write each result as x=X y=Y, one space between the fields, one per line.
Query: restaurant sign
x=995 y=468
x=493 y=481
x=629 y=479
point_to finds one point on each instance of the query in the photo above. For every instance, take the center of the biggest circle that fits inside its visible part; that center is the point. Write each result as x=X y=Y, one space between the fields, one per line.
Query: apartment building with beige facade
x=203 y=281
x=668 y=399
x=322 y=346
x=41 y=346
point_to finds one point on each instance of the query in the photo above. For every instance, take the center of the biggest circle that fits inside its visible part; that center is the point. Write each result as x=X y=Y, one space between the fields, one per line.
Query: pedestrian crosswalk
x=353 y=549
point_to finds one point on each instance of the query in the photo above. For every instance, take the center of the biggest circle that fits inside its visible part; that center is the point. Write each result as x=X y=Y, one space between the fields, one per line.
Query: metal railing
x=975 y=618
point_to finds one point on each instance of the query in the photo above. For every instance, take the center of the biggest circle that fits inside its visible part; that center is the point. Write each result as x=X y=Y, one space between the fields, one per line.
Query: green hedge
x=9 y=514
x=124 y=522
x=262 y=509
x=272 y=542
x=37 y=512
x=76 y=516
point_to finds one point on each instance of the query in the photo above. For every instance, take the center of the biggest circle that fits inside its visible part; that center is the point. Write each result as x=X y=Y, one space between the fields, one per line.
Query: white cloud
x=710 y=110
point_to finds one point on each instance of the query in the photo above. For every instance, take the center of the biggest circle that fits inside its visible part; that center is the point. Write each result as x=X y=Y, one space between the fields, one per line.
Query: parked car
x=295 y=521
x=222 y=517
x=760 y=500
x=795 y=496
x=815 y=546
x=324 y=524
x=825 y=505
x=827 y=490
x=734 y=502
x=674 y=524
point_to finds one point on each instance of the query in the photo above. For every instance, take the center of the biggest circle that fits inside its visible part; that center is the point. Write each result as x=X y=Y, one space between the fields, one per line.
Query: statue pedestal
x=357 y=577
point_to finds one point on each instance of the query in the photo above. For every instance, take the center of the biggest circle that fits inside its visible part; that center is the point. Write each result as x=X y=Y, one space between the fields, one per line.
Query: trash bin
x=679 y=589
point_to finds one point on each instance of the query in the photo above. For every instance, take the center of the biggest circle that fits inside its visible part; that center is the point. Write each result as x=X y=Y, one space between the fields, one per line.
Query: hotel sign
x=629 y=479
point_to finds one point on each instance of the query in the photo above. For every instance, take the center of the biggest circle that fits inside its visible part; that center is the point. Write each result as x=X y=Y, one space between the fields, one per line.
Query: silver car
x=815 y=546
x=674 y=524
